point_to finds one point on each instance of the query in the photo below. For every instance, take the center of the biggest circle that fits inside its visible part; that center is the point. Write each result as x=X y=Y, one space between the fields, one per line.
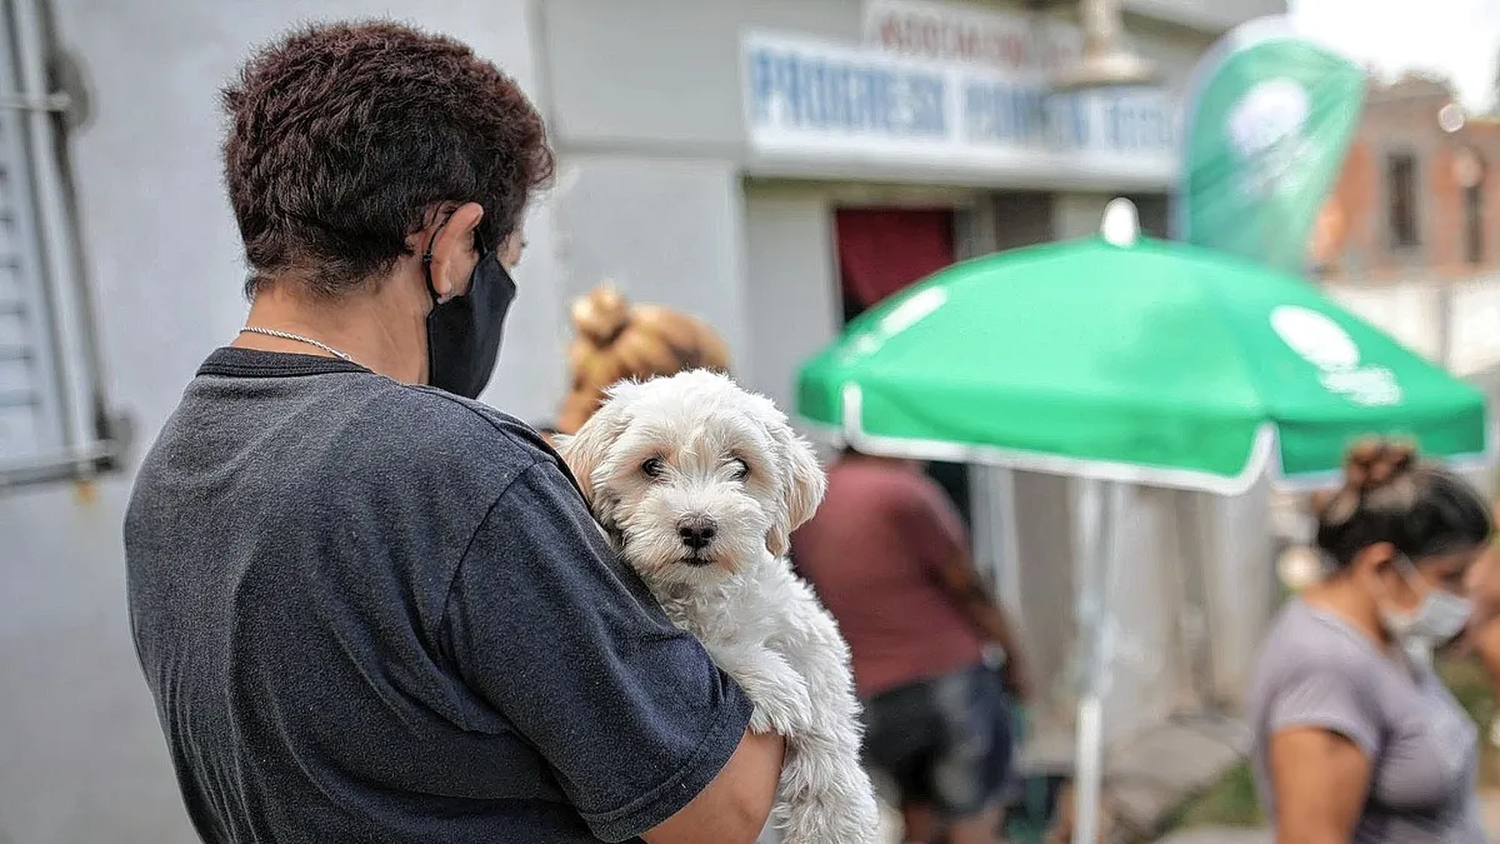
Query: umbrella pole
x=1099 y=544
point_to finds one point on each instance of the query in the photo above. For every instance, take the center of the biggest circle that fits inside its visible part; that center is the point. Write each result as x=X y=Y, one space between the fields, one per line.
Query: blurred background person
x=889 y=557
x=1355 y=736
x=614 y=340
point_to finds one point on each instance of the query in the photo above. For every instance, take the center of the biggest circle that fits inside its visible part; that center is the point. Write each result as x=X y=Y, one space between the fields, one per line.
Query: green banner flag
x=1268 y=123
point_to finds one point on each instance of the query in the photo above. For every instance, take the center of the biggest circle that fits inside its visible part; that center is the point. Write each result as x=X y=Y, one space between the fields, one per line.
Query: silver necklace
x=298 y=338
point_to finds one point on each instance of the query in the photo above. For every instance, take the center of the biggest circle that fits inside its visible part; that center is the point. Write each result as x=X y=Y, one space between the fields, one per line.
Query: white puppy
x=699 y=485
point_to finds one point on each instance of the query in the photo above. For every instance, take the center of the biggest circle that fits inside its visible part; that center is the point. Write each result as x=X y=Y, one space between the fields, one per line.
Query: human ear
x=1378 y=559
x=452 y=251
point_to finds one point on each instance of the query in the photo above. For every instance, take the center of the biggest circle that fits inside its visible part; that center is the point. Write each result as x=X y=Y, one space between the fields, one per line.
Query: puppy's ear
x=586 y=451
x=802 y=486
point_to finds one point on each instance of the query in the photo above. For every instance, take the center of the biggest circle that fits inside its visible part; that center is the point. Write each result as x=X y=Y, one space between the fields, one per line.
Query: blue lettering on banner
x=1133 y=124
x=1068 y=122
x=808 y=93
x=999 y=113
x=801 y=94
x=1004 y=114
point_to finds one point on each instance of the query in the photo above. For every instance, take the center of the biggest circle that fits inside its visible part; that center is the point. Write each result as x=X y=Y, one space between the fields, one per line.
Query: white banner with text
x=807 y=98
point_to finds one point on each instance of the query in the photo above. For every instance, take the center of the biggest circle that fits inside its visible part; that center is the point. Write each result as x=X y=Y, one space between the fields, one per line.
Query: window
x=52 y=423
x=1474 y=225
x=1401 y=179
x=1469 y=172
x=880 y=252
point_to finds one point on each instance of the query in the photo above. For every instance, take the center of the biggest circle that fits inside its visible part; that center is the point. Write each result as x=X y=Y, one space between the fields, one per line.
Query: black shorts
x=946 y=742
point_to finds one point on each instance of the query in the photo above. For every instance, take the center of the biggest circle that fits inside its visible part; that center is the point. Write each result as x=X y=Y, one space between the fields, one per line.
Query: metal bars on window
x=53 y=423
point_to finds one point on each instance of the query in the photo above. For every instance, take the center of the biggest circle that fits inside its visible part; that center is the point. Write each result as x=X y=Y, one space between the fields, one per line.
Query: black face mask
x=463 y=333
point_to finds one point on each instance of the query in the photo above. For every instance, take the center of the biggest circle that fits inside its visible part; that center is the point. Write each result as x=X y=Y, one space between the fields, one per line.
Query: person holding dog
x=1355 y=738
x=370 y=608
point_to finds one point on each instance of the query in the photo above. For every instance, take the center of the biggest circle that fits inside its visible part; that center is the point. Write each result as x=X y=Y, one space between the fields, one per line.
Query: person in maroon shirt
x=888 y=555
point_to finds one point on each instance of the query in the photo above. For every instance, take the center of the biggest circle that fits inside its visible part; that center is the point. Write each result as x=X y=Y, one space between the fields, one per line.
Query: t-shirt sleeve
x=567 y=644
x=1324 y=694
x=931 y=523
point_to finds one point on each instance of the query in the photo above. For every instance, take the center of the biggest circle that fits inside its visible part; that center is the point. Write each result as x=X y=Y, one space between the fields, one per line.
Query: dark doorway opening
x=881 y=251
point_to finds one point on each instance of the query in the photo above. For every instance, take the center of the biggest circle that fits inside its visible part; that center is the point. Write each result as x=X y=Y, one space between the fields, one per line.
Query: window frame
x=74 y=436
x=1403 y=238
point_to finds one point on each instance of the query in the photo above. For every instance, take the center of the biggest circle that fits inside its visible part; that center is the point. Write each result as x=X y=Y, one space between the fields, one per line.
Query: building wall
x=648 y=103
x=1431 y=297
x=1216 y=16
x=641 y=222
x=789 y=239
x=1403 y=118
x=628 y=121
x=81 y=755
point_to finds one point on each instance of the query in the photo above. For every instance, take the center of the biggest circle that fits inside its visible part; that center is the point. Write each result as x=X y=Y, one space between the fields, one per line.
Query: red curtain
x=882 y=250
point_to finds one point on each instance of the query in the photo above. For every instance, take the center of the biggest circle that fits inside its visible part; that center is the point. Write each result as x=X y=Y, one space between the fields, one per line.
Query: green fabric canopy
x=1153 y=362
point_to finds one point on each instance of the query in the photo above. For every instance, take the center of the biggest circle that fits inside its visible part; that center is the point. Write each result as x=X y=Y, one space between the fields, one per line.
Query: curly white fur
x=699 y=485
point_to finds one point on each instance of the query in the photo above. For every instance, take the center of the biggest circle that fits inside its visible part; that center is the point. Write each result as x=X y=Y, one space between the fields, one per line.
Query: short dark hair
x=343 y=137
x=1390 y=496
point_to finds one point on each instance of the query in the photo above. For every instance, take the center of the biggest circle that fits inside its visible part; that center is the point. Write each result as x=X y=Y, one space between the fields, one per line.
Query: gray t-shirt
x=381 y=613
x=1315 y=670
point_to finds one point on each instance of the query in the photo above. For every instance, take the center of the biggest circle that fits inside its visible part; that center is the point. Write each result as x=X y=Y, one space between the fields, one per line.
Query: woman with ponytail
x=1355 y=737
x=615 y=340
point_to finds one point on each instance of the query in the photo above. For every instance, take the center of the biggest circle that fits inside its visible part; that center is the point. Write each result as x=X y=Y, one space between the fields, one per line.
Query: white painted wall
x=790 y=251
x=643 y=47
x=1452 y=322
x=81 y=756
x=664 y=230
x=1215 y=15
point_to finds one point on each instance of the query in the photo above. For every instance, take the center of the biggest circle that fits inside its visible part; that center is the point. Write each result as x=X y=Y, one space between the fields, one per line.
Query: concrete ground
x=1230 y=835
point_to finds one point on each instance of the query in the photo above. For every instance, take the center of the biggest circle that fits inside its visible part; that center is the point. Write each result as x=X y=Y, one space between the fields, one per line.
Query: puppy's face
x=692 y=476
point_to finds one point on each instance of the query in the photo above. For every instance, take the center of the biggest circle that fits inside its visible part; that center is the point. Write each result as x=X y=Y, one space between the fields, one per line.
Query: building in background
x=1410 y=238
x=772 y=166
x=813 y=142
x=1417 y=197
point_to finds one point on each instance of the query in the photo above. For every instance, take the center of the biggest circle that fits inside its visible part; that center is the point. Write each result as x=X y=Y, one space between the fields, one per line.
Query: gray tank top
x=1315 y=670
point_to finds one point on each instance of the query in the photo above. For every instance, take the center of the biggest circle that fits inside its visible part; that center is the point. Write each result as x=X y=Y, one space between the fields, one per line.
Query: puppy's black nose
x=697 y=531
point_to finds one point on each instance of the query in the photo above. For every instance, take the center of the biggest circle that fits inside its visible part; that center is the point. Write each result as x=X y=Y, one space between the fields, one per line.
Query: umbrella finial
x=1121 y=225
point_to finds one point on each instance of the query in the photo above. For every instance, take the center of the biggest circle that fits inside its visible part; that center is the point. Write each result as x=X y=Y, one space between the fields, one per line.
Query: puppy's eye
x=741 y=469
x=653 y=467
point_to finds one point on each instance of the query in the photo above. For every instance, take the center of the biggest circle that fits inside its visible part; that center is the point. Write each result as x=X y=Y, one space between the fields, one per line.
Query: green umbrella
x=1152 y=362
x=1120 y=359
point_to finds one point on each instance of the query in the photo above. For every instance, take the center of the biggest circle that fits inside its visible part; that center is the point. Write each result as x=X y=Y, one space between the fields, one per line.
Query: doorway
x=882 y=250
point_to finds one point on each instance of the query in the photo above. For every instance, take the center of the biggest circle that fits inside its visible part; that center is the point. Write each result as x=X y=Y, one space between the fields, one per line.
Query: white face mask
x=1439 y=616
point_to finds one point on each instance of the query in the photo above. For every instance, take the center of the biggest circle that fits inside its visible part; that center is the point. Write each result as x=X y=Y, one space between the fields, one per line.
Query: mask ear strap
x=427 y=258
x=1413 y=576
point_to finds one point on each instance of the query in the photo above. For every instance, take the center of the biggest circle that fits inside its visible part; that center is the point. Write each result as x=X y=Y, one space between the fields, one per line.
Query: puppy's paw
x=782 y=711
x=760 y=722
x=781 y=696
